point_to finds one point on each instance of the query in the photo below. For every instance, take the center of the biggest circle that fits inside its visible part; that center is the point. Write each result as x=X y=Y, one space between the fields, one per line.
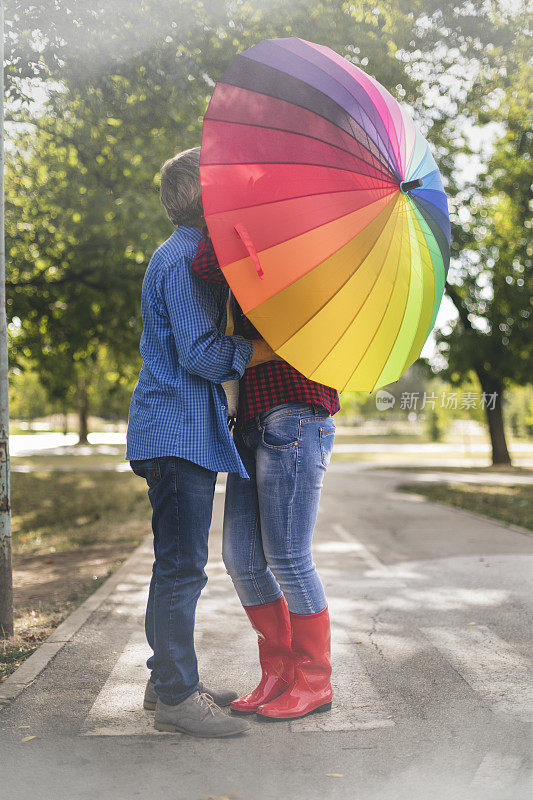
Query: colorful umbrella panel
x=327 y=213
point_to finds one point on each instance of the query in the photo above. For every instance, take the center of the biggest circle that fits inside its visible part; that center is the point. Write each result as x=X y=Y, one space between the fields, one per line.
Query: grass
x=410 y=461
x=512 y=504
x=351 y=436
x=55 y=510
x=491 y=469
x=407 y=460
x=90 y=520
x=92 y=458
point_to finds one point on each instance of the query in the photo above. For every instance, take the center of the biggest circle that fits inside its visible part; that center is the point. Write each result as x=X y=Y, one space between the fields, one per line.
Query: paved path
x=445 y=454
x=427 y=455
x=430 y=648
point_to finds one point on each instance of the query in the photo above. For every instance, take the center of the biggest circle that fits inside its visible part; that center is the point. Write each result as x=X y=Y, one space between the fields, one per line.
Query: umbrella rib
x=383 y=314
x=332 y=77
x=445 y=255
x=435 y=265
x=302 y=57
x=340 y=288
x=385 y=171
x=424 y=244
x=305 y=136
x=300 y=197
x=337 y=340
x=401 y=323
x=381 y=320
x=297 y=105
x=291 y=163
x=422 y=202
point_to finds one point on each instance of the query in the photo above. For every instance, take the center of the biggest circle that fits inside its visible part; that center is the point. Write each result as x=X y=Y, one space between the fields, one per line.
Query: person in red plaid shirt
x=284 y=434
x=272 y=382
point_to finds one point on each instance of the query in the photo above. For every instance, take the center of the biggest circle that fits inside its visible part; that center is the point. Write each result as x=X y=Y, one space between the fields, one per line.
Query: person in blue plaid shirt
x=178 y=439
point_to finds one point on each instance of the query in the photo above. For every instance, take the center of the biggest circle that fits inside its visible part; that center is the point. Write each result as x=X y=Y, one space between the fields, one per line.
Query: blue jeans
x=181 y=495
x=269 y=520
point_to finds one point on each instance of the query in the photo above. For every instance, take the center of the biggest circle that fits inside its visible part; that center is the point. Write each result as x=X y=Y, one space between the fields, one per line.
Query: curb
x=501 y=523
x=509 y=526
x=30 y=669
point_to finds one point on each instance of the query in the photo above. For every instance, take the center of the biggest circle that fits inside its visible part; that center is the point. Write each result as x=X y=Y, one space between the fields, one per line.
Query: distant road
x=38 y=443
x=35 y=443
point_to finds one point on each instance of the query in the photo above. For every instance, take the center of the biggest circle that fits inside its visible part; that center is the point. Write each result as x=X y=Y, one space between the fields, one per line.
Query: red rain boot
x=272 y=623
x=311 y=690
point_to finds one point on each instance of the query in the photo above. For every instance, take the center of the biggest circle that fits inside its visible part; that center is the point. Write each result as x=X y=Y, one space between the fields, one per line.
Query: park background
x=98 y=95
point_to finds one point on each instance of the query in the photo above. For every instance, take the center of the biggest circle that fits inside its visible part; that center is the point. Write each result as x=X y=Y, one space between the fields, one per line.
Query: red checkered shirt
x=274 y=382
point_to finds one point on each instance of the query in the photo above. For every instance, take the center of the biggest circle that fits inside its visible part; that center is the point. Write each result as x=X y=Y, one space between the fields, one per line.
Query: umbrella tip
x=406 y=186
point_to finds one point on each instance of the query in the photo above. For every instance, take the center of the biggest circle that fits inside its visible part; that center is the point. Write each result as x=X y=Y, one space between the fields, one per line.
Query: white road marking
x=496 y=771
x=488 y=664
x=118 y=709
x=493 y=669
x=356 y=704
x=364 y=553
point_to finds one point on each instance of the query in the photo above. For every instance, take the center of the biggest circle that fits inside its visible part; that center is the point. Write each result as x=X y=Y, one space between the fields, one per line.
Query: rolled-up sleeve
x=202 y=349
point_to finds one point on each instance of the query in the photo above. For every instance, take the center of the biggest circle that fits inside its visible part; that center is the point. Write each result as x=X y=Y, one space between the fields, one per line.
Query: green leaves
x=128 y=85
x=494 y=288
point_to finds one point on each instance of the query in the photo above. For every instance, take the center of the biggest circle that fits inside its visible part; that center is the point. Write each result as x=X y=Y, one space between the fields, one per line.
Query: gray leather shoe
x=197 y=715
x=222 y=698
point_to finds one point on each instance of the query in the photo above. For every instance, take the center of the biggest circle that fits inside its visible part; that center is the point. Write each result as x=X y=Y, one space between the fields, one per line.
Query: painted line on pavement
x=118 y=711
x=369 y=558
x=359 y=706
x=497 y=771
x=491 y=666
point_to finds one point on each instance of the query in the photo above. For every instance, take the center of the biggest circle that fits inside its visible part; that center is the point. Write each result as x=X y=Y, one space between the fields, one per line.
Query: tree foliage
x=491 y=283
x=126 y=86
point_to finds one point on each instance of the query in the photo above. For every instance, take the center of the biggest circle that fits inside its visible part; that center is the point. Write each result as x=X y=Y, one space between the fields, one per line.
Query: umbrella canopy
x=326 y=211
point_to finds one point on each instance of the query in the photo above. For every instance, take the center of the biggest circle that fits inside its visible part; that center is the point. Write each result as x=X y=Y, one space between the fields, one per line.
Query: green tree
x=82 y=214
x=492 y=290
x=520 y=410
x=27 y=396
x=128 y=85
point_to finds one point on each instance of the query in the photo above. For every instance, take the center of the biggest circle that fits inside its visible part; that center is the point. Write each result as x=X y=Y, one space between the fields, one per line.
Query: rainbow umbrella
x=327 y=213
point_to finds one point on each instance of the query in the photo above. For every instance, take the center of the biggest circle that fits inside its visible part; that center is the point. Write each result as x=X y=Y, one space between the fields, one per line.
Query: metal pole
x=6 y=577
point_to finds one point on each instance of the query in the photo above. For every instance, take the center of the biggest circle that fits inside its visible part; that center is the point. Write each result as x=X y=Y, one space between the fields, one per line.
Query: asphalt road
x=431 y=631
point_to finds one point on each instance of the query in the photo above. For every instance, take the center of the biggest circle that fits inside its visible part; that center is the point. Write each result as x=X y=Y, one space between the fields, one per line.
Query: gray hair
x=180 y=190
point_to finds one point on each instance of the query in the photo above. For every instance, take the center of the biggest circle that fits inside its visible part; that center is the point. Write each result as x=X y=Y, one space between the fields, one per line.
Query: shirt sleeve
x=205 y=263
x=193 y=312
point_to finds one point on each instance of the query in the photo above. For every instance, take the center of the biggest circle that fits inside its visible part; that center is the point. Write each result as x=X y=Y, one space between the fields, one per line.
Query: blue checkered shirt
x=178 y=406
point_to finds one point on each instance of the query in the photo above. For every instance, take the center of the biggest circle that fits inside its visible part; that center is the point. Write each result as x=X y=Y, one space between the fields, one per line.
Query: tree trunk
x=83 y=412
x=493 y=411
x=6 y=588
x=490 y=386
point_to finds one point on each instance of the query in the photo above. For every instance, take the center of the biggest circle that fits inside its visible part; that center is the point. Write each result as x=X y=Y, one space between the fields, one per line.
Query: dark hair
x=180 y=190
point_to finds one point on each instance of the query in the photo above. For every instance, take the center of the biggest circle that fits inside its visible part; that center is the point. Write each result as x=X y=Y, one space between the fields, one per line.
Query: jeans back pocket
x=149 y=469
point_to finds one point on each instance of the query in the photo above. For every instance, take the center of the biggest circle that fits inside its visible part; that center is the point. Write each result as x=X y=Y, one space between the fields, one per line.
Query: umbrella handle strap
x=246 y=239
